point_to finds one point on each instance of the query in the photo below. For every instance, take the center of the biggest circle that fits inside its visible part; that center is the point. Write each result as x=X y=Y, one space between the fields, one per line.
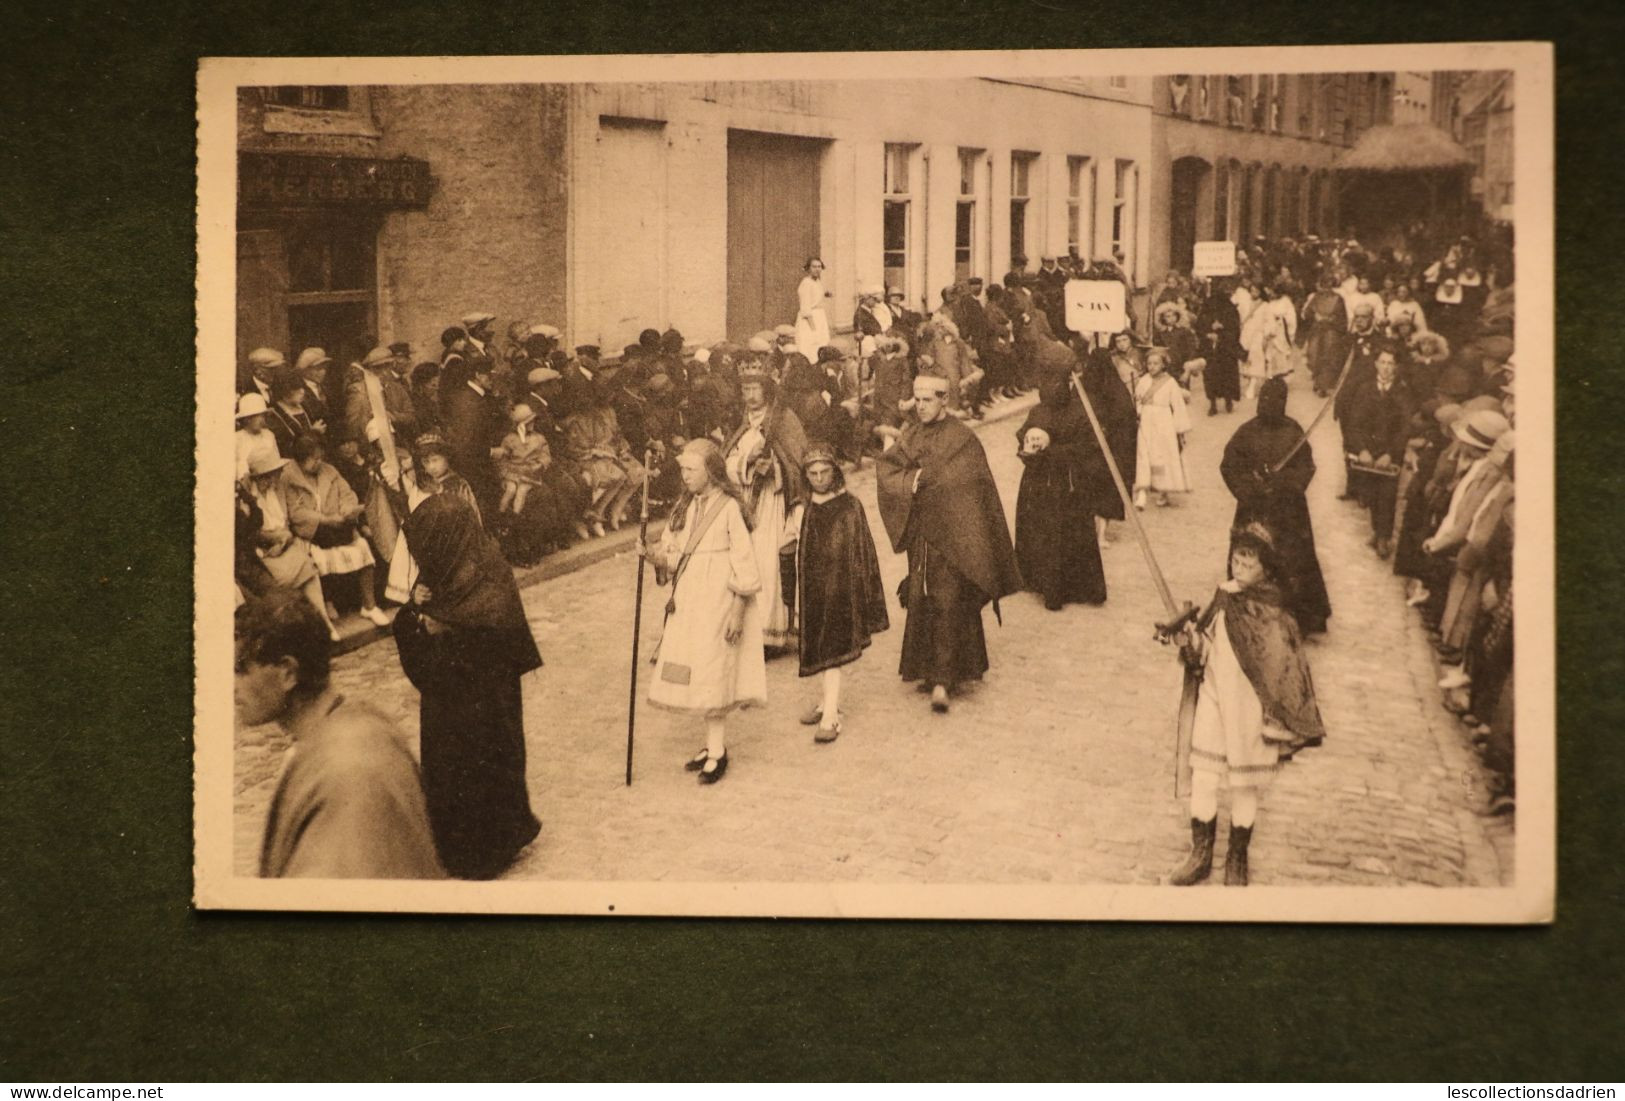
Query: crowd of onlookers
x=556 y=445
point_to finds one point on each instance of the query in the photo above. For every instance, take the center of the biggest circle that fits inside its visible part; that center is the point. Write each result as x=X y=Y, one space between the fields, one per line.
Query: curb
x=358 y=632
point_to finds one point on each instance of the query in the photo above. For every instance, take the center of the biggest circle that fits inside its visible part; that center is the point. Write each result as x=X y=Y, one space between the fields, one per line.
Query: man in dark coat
x=1374 y=434
x=474 y=427
x=941 y=506
x=1275 y=498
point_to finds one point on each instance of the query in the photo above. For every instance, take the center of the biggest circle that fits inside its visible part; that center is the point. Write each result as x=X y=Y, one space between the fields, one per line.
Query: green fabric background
x=105 y=972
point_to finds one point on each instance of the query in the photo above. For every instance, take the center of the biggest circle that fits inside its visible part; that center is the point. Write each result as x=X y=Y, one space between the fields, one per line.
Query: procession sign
x=1096 y=306
x=1213 y=258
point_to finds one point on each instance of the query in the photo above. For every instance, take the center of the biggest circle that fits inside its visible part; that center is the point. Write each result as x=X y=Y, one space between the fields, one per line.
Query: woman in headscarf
x=464 y=643
x=1275 y=498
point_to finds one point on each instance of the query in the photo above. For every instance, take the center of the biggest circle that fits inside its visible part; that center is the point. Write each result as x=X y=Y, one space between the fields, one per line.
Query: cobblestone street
x=1056 y=769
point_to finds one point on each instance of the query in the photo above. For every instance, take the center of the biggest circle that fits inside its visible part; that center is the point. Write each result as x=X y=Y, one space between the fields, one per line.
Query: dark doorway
x=773 y=226
x=1182 y=215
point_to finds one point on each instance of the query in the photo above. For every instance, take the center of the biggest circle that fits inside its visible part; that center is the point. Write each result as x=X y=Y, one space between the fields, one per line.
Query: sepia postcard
x=1029 y=485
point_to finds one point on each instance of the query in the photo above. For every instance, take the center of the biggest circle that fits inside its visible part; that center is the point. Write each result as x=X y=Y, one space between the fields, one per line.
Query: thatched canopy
x=1410 y=147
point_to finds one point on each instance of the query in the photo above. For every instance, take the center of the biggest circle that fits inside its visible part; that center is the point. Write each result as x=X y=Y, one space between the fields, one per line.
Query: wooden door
x=262 y=291
x=773 y=226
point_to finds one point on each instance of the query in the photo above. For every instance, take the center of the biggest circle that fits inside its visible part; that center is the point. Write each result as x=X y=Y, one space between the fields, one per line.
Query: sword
x=1179 y=614
x=1342 y=377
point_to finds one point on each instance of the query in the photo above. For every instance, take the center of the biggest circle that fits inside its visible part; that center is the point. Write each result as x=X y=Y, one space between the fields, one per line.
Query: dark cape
x=471 y=719
x=841 y=598
x=1221 y=378
x=958 y=545
x=787 y=441
x=1057 y=550
x=1264 y=636
x=1277 y=501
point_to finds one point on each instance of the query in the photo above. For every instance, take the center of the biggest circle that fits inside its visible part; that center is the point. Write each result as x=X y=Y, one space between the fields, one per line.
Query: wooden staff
x=637 y=617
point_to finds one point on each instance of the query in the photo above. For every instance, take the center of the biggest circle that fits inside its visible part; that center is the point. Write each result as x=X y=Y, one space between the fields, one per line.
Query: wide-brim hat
x=1481 y=428
x=540 y=375
x=251 y=405
x=547 y=331
x=477 y=317
x=265 y=462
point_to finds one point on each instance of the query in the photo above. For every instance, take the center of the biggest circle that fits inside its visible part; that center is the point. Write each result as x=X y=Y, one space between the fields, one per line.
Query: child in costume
x=1256 y=706
x=840 y=595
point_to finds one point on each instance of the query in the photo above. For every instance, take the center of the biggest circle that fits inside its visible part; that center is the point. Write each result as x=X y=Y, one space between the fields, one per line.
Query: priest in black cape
x=1067 y=484
x=464 y=643
x=1277 y=499
x=941 y=506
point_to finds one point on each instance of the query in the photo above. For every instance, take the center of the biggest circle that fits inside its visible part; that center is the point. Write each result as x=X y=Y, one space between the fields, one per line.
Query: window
x=1080 y=206
x=970 y=163
x=1221 y=201
x=1244 y=210
x=324 y=258
x=325 y=97
x=1118 y=82
x=1179 y=94
x=1021 y=174
x=1235 y=101
x=1123 y=210
x=894 y=229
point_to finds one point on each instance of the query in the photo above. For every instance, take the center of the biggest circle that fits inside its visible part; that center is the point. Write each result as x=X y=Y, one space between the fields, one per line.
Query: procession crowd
x=422 y=482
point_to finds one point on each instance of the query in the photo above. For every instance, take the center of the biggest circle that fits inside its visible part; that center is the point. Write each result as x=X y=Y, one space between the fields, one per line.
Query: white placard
x=1213 y=258
x=1095 y=306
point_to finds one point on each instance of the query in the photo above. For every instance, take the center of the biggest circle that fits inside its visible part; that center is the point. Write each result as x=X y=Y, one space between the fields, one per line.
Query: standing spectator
x=312 y=366
x=464 y=643
x=474 y=427
x=1326 y=321
x=812 y=322
x=253 y=439
x=349 y=801
x=547 y=399
x=286 y=416
x=1374 y=437
x=426 y=397
x=262 y=363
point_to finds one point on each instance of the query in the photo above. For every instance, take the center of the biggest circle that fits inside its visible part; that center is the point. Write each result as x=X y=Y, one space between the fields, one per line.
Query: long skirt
x=778 y=632
x=350 y=557
x=473 y=742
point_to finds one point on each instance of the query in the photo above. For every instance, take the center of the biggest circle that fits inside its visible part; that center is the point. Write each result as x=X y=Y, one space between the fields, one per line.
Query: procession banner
x=1096 y=306
x=1213 y=258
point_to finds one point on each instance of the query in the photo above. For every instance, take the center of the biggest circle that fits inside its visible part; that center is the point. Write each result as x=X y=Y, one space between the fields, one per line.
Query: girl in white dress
x=710 y=658
x=812 y=322
x=1159 y=462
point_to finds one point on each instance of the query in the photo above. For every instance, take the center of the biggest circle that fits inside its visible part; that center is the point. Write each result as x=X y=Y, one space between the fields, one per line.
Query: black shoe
x=715 y=774
x=697 y=762
x=1199 y=864
x=1052 y=603
x=1235 y=857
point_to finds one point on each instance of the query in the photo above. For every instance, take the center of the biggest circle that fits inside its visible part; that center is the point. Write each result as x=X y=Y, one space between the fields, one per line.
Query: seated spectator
x=604 y=457
x=285 y=557
x=325 y=511
x=286 y=416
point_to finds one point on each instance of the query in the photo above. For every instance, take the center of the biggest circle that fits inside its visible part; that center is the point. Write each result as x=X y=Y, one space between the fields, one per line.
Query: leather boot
x=1200 y=862
x=1235 y=858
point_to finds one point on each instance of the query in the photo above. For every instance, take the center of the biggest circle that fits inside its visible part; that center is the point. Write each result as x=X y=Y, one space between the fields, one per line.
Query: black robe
x=1221 y=378
x=1114 y=408
x=471 y=716
x=1278 y=502
x=841 y=597
x=958 y=546
x=1057 y=550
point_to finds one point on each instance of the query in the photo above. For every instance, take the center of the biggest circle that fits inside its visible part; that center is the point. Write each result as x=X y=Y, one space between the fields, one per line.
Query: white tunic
x=812 y=323
x=698 y=671
x=1158 y=463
